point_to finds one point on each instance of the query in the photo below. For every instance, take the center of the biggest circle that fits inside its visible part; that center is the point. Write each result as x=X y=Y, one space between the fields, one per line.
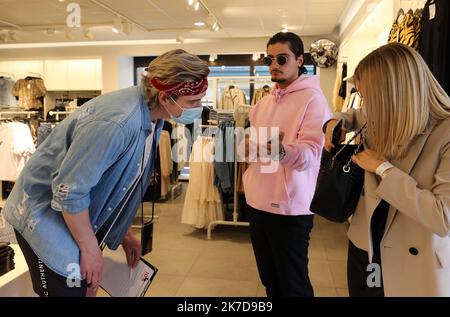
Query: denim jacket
x=91 y=160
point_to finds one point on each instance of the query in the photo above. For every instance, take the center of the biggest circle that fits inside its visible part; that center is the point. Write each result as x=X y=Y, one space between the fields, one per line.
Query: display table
x=17 y=283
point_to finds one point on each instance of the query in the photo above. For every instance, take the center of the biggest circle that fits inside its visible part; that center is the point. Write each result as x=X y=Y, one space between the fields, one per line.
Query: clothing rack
x=235 y=221
x=37 y=74
x=217 y=82
x=12 y=113
x=28 y=114
x=58 y=113
x=8 y=74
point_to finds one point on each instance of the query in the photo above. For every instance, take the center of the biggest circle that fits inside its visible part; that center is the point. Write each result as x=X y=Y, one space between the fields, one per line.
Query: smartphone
x=336 y=133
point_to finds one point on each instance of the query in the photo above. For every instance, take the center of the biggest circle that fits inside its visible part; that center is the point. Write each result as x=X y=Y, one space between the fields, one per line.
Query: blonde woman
x=402 y=222
x=93 y=169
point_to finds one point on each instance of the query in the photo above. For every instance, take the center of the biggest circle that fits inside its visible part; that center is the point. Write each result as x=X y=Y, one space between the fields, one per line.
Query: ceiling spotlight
x=212 y=57
x=255 y=57
x=117 y=27
x=212 y=23
x=210 y=20
x=284 y=29
x=190 y=2
x=88 y=34
x=127 y=27
x=180 y=39
x=199 y=23
x=68 y=34
x=196 y=6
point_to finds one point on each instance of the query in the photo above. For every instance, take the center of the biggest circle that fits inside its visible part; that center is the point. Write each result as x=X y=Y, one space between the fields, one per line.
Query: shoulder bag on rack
x=340 y=181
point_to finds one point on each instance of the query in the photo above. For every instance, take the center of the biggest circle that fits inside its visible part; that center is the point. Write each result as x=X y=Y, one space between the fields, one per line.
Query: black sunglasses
x=281 y=60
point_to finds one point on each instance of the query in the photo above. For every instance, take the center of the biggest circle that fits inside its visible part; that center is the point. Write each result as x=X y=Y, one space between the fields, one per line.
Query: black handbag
x=339 y=183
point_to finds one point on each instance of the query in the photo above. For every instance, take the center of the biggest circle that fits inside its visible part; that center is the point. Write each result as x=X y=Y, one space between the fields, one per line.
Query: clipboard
x=119 y=280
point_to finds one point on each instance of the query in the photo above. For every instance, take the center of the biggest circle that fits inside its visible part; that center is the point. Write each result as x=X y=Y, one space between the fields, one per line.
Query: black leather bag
x=339 y=183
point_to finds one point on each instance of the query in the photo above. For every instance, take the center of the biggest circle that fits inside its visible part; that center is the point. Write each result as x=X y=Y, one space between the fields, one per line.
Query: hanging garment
x=165 y=156
x=169 y=126
x=435 y=40
x=202 y=203
x=242 y=167
x=6 y=96
x=29 y=90
x=260 y=94
x=43 y=131
x=16 y=148
x=232 y=97
x=353 y=101
x=181 y=147
x=406 y=29
x=343 y=89
x=224 y=165
x=337 y=100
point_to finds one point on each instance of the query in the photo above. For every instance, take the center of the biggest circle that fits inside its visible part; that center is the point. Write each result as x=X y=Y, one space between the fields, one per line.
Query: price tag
x=432 y=11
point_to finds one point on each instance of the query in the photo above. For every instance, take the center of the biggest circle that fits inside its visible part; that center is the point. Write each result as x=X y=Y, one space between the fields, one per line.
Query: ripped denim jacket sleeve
x=93 y=149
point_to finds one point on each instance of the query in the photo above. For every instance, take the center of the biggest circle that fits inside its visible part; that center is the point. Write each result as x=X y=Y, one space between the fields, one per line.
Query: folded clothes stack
x=6 y=258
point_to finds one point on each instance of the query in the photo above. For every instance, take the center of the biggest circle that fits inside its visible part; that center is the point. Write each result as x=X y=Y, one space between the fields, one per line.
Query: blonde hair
x=172 y=67
x=402 y=98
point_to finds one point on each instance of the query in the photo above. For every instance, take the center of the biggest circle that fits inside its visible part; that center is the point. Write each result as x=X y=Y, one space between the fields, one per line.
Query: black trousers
x=357 y=274
x=47 y=283
x=280 y=244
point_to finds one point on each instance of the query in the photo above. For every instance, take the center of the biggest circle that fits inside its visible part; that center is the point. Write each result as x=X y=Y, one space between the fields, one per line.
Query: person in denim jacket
x=91 y=170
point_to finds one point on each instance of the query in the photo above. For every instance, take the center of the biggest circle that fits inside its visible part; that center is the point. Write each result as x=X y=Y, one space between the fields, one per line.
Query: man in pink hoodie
x=280 y=219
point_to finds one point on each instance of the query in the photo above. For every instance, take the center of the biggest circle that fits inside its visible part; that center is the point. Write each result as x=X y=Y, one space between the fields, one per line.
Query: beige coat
x=418 y=191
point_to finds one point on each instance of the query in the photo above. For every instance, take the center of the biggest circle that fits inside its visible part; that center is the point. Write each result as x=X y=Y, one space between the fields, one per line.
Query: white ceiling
x=165 y=19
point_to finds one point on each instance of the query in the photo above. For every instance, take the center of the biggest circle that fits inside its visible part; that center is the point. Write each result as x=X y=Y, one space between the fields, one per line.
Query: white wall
x=117 y=63
x=369 y=34
x=126 y=72
x=367 y=27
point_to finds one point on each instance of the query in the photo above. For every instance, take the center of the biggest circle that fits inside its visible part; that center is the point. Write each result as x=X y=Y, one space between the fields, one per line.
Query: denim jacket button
x=109 y=209
x=124 y=189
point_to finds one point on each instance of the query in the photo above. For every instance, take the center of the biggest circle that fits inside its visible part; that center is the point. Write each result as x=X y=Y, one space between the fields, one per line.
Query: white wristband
x=382 y=168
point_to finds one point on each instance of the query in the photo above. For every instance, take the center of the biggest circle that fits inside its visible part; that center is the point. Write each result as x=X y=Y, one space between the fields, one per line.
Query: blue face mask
x=188 y=116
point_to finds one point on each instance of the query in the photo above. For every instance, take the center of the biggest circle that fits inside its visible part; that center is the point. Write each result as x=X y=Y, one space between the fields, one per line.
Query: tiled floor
x=190 y=265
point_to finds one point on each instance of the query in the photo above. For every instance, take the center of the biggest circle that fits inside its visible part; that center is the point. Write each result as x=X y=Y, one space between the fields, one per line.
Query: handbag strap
x=360 y=132
x=152 y=173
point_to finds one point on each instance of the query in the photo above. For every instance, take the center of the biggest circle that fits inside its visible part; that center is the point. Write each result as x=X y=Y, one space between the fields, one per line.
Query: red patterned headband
x=188 y=88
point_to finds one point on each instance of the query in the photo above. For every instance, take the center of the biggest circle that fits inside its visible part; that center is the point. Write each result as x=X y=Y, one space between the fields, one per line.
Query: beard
x=278 y=80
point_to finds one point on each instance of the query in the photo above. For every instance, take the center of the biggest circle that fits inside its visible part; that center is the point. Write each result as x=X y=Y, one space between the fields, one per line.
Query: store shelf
x=17 y=283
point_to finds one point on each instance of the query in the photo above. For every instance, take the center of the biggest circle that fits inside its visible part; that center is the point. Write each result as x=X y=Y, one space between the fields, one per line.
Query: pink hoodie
x=299 y=111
